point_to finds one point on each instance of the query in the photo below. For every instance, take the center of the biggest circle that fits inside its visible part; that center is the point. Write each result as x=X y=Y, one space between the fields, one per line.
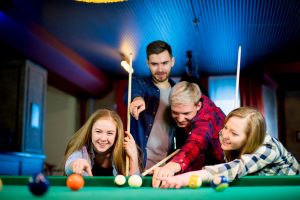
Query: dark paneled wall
x=23 y=91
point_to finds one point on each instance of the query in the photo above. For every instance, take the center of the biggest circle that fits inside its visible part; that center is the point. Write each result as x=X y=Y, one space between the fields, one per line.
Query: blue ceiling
x=92 y=37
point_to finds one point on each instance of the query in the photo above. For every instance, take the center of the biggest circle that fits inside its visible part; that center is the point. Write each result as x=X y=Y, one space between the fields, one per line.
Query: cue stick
x=128 y=105
x=160 y=163
x=237 y=77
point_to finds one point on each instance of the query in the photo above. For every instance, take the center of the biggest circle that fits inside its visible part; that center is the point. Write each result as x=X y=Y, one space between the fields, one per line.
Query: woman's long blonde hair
x=255 y=131
x=83 y=138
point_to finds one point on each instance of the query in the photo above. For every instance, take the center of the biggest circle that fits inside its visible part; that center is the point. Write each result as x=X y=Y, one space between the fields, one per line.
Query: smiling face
x=233 y=135
x=104 y=133
x=184 y=113
x=160 y=66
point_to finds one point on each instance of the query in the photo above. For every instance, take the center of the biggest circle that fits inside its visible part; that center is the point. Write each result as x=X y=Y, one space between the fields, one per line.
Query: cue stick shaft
x=128 y=105
x=237 y=77
x=160 y=163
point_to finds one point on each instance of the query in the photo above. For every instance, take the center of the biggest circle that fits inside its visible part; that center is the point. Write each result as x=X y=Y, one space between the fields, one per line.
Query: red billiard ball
x=38 y=184
x=75 y=182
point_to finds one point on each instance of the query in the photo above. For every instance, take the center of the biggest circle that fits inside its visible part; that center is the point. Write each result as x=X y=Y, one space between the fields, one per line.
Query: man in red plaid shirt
x=202 y=120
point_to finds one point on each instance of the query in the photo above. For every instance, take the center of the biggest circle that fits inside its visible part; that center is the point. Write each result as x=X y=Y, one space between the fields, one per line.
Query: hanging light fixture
x=101 y=1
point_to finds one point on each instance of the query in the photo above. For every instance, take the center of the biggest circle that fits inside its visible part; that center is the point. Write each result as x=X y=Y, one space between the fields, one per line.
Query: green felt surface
x=251 y=187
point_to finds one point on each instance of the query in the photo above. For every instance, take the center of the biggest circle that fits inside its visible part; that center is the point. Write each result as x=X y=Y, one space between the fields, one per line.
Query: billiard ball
x=38 y=184
x=194 y=181
x=219 y=183
x=75 y=182
x=135 y=181
x=120 y=180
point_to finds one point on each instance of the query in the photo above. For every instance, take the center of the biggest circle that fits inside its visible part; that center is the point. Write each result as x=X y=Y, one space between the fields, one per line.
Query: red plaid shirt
x=202 y=146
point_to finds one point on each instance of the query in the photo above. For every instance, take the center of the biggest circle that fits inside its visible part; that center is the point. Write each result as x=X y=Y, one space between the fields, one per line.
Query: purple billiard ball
x=38 y=184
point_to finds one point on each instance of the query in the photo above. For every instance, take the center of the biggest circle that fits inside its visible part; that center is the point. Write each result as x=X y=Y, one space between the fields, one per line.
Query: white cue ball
x=120 y=180
x=135 y=181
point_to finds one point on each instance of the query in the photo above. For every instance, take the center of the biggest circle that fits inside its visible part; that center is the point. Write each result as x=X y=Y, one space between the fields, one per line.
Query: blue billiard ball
x=219 y=183
x=38 y=184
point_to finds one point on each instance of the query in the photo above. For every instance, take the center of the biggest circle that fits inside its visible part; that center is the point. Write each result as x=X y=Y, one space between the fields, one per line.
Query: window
x=222 y=92
x=35 y=116
x=270 y=106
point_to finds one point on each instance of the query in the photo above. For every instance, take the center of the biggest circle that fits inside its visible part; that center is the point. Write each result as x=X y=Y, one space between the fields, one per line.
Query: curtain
x=251 y=91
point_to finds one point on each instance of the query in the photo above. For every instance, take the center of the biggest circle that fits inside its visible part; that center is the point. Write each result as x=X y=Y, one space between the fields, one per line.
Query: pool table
x=249 y=187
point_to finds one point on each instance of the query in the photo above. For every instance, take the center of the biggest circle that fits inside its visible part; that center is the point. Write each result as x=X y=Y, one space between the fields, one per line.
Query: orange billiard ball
x=75 y=182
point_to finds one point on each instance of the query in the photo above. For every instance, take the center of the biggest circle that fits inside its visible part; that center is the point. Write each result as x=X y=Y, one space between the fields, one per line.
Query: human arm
x=137 y=103
x=166 y=171
x=80 y=166
x=247 y=164
x=77 y=163
x=194 y=148
x=182 y=180
x=132 y=152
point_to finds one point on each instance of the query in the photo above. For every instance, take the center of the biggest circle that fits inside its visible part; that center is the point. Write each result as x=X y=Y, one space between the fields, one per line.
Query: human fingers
x=128 y=142
x=156 y=182
x=133 y=108
x=162 y=178
x=77 y=168
x=133 y=104
x=128 y=134
x=166 y=182
x=177 y=185
x=164 y=173
x=88 y=169
x=135 y=112
x=132 y=152
x=165 y=185
x=136 y=107
x=169 y=184
x=141 y=107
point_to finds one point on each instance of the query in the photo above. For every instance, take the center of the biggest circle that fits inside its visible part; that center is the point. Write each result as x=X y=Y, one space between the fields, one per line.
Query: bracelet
x=194 y=181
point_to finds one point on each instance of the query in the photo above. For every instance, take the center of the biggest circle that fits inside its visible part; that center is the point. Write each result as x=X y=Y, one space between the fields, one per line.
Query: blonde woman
x=99 y=147
x=248 y=149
